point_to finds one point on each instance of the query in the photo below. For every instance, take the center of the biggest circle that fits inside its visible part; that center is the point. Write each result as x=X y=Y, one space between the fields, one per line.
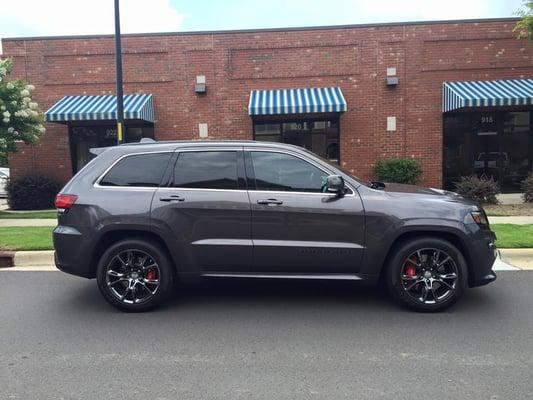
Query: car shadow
x=274 y=294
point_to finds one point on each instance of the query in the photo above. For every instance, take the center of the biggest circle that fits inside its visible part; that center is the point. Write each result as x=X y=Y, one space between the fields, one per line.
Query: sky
x=77 y=17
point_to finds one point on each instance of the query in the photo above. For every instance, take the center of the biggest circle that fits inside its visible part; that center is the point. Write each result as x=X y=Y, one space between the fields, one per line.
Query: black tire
x=408 y=280
x=161 y=270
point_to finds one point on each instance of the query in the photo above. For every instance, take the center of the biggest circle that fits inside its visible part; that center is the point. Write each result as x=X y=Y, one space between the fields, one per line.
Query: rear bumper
x=72 y=254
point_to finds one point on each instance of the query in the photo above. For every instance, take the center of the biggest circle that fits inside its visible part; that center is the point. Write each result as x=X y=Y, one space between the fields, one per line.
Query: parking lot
x=266 y=340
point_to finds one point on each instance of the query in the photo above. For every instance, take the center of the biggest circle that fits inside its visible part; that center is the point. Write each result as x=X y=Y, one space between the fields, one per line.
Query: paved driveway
x=262 y=340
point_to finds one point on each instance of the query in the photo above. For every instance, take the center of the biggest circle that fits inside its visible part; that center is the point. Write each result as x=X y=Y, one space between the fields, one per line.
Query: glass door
x=485 y=146
x=496 y=145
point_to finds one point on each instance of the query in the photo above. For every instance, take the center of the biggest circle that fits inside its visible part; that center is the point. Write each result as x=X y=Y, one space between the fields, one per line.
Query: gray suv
x=141 y=217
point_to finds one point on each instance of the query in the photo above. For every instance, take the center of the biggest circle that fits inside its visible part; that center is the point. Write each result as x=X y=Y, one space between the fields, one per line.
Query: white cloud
x=78 y=17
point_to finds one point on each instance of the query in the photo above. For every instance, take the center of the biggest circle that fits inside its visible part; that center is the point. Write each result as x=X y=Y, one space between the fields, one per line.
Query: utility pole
x=118 y=70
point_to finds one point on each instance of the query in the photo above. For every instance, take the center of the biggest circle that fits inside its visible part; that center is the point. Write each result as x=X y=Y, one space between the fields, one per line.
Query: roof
x=259 y=30
x=170 y=145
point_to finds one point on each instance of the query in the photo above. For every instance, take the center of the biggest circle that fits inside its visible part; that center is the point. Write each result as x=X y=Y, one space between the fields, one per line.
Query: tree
x=524 y=27
x=20 y=117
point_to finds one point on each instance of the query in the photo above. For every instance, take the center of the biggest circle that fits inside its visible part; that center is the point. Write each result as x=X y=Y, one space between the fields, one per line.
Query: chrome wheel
x=429 y=275
x=132 y=276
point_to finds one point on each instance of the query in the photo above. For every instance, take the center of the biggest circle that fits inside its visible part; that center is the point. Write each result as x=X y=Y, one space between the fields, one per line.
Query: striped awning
x=296 y=101
x=512 y=92
x=104 y=107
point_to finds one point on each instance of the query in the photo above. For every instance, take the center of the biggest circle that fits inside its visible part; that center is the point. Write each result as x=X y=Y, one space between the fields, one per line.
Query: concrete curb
x=34 y=258
x=44 y=258
x=522 y=258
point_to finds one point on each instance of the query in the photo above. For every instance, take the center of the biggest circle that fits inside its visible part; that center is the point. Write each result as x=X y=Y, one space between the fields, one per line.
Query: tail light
x=65 y=201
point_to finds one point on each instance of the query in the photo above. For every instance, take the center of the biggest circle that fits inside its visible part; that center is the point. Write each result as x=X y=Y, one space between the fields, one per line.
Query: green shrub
x=32 y=192
x=527 y=188
x=397 y=170
x=482 y=190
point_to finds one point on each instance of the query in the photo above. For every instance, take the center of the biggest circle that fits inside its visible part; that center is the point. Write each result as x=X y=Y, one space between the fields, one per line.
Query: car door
x=296 y=227
x=206 y=209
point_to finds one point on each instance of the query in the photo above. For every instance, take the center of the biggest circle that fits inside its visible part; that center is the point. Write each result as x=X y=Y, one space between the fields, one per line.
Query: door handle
x=270 y=202
x=172 y=197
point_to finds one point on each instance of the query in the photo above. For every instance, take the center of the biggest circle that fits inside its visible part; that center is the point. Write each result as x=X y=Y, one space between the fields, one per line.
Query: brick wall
x=354 y=58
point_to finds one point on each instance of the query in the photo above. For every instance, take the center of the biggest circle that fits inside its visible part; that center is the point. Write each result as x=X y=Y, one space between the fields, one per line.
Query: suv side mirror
x=335 y=184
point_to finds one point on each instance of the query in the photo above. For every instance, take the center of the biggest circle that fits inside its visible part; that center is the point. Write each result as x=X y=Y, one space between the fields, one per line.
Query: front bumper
x=483 y=254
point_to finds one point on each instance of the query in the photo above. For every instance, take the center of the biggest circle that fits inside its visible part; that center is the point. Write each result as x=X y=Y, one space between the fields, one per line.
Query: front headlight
x=480 y=218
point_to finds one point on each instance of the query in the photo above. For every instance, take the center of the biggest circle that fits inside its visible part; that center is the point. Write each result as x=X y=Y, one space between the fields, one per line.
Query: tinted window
x=283 y=172
x=137 y=170
x=206 y=170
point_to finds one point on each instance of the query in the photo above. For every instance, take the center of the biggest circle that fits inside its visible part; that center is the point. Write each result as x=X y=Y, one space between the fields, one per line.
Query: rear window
x=206 y=170
x=137 y=170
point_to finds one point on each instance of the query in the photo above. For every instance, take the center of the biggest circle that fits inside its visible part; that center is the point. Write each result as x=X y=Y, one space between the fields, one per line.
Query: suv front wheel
x=135 y=275
x=427 y=274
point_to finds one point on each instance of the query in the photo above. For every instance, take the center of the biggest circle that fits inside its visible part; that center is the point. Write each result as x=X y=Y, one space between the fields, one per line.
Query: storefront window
x=319 y=136
x=496 y=145
x=83 y=138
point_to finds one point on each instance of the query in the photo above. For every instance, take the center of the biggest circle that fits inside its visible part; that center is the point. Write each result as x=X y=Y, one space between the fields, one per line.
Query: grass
x=40 y=237
x=28 y=215
x=26 y=238
x=513 y=236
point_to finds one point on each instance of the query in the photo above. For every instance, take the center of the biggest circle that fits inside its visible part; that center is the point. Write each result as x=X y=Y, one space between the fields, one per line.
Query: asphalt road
x=262 y=340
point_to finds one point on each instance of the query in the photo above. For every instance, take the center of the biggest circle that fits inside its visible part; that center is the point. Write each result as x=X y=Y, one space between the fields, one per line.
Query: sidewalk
x=27 y=222
x=517 y=220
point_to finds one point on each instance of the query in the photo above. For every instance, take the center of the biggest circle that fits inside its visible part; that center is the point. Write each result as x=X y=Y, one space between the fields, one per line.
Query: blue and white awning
x=296 y=101
x=512 y=92
x=92 y=108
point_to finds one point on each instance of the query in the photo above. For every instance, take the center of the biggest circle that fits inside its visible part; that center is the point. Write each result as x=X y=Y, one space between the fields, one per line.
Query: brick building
x=384 y=90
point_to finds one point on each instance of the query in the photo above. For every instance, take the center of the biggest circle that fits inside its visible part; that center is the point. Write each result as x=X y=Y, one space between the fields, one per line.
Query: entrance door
x=296 y=227
x=497 y=145
x=485 y=147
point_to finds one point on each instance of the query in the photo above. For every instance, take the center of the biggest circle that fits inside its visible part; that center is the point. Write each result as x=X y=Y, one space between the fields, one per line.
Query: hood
x=402 y=188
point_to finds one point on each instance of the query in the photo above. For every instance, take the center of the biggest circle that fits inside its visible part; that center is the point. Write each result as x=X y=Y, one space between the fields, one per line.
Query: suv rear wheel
x=135 y=275
x=427 y=274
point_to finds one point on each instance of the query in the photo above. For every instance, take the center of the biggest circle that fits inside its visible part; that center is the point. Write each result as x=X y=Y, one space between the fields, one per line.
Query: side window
x=137 y=170
x=206 y=170
x=284 y=172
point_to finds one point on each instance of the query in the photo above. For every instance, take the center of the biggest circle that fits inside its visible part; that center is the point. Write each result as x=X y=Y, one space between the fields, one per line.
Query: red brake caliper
x=152 y=274
x=411 y=269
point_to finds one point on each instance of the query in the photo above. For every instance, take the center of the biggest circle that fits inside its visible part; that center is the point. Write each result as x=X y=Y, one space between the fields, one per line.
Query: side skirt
x=345 y=277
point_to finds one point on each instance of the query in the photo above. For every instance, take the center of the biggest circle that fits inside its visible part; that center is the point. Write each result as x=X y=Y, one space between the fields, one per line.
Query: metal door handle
x=270 y=202
x=173 y=197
